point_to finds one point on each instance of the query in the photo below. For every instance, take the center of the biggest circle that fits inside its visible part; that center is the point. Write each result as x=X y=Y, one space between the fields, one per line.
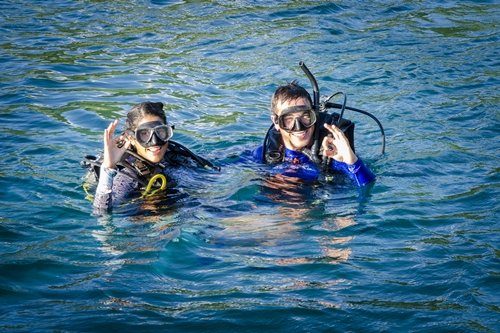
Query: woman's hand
x=337 y=146
x=112 y=152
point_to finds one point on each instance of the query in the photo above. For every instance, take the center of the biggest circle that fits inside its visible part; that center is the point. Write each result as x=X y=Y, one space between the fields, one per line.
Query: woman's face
x=153 y=154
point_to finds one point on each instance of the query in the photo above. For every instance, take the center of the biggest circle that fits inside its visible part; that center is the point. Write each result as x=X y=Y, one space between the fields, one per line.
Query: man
x=290 y=142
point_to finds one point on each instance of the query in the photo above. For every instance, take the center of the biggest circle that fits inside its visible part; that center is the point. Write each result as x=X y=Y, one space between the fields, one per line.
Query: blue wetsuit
x=297 y=164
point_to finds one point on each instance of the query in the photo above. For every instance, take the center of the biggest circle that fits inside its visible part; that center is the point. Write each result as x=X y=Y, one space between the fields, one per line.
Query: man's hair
x=288 y=92
x=141 y=110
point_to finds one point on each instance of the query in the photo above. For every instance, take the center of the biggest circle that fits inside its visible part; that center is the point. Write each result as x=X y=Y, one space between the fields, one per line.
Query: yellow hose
x=151 y=182
x=86 y=187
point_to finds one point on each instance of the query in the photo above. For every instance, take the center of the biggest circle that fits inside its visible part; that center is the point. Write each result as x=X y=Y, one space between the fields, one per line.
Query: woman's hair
x=141 y=110
x=288 y=92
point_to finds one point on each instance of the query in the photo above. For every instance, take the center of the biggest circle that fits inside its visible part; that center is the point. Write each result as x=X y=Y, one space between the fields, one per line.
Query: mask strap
x=296 y=108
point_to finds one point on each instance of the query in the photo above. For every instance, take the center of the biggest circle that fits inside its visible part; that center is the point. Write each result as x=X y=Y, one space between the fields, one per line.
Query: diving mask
x=296 y=118
x=153 y=133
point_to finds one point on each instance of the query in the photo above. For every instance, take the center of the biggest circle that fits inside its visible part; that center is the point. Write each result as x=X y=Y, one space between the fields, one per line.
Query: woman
x=132 y=161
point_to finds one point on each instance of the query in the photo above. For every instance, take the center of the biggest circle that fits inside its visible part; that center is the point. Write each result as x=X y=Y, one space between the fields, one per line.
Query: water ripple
x=238 y=250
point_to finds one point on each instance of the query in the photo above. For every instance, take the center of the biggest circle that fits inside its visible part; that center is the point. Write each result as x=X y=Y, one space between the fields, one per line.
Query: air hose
x=151 y=183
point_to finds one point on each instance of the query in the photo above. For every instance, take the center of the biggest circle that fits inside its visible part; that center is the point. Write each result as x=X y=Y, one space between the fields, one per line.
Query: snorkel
x=315 y=146
x=327 y=104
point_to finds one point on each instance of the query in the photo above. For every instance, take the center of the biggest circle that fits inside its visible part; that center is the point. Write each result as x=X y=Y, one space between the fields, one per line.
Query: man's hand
x=337 y=146
x=112 y=151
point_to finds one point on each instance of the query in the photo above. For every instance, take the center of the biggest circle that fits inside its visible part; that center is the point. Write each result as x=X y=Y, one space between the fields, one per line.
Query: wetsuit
x=116 y=185
x=297 y=164
x=132 y=174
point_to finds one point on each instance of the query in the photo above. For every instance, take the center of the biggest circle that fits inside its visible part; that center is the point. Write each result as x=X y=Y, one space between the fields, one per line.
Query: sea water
x=239 y=251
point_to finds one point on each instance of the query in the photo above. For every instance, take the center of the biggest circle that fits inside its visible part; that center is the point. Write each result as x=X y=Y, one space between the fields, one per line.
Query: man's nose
x=298 y=125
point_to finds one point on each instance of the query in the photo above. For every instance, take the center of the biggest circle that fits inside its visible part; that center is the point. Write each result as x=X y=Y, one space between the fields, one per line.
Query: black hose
x=200 y=160
x=344 y=102
x=264 y=146
x=340 y=106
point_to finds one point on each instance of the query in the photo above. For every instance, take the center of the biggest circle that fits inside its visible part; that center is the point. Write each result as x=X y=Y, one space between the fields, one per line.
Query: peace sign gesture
x=337 y=146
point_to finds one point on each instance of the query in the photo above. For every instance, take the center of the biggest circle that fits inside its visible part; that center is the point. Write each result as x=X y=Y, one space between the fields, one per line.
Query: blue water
x=237 y=251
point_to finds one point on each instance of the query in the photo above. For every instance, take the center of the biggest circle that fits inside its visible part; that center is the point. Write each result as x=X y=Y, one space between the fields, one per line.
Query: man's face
x=295 y=140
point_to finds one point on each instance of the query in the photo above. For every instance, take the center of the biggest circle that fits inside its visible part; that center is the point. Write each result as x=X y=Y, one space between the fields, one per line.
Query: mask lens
x=288 y=121
x=143 y=135
x=306 y=119
x=163 y=132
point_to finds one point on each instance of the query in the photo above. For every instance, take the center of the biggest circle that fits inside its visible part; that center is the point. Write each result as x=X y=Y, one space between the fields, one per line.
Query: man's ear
x=274 y=119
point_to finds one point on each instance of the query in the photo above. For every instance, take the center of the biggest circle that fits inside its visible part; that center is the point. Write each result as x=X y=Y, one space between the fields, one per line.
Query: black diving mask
x=154 y=133
x=296 y=118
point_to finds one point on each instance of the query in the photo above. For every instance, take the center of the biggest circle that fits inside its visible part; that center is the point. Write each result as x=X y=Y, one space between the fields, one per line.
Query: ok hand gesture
x=112 y=152
x=337 y=146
